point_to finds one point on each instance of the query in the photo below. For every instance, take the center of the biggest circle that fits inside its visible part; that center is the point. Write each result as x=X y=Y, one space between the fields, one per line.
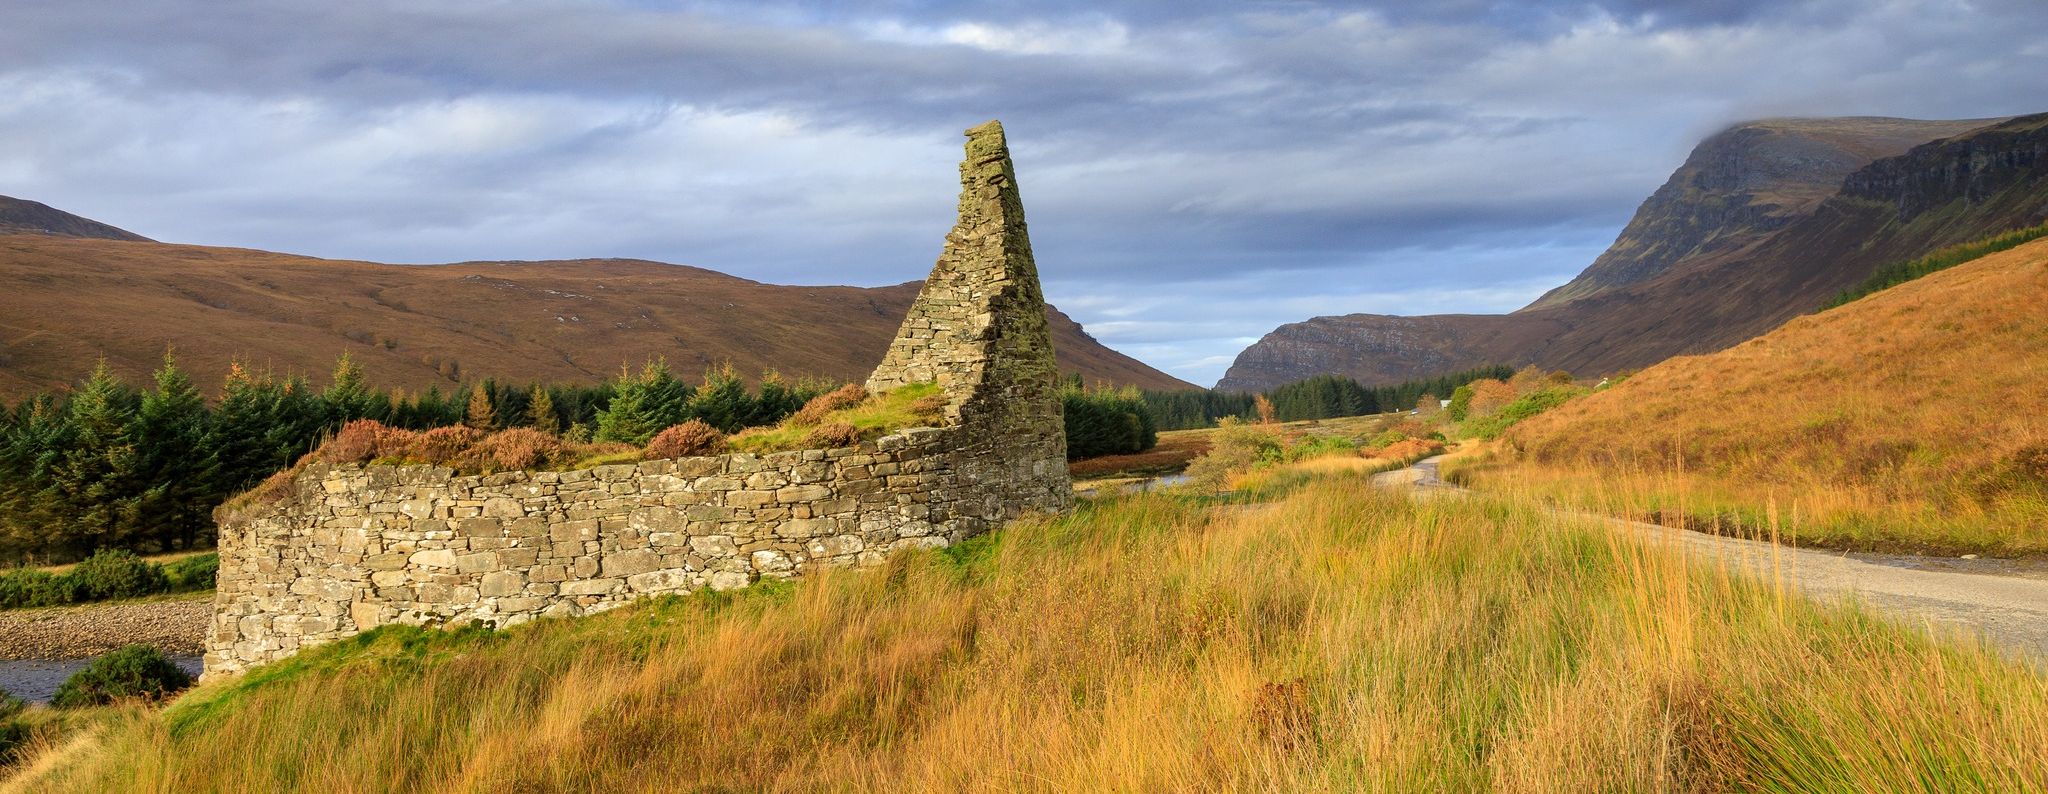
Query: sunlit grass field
x=1338 y=638
x=1914 y=419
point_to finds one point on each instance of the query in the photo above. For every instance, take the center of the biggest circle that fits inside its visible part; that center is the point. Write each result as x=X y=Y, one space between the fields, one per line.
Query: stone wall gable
x=354 y=547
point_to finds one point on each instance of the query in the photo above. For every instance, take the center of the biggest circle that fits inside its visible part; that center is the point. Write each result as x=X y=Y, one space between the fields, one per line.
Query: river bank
x=174 y=625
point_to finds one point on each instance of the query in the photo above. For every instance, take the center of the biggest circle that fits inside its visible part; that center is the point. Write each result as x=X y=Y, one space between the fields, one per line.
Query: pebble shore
x=175 y=626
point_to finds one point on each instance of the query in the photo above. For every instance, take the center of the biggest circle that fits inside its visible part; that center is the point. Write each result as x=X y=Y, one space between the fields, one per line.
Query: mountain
x=66 y=301
x=1762 y=223
x=21 y=216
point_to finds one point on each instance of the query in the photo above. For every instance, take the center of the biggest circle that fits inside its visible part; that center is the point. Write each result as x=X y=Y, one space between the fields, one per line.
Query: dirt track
x=2009 y=608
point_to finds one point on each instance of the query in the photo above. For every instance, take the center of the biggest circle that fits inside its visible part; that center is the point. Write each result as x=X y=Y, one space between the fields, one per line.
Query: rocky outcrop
x=1739 y=186
x=354 y=547
x=1742 y=239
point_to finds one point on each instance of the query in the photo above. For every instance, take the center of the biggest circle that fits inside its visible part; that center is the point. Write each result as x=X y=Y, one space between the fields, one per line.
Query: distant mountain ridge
x=21 y=216
x=1762 y=223
x=66 y=301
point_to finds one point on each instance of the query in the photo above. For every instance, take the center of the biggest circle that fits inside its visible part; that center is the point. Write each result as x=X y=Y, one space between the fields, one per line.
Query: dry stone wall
x=354 y=547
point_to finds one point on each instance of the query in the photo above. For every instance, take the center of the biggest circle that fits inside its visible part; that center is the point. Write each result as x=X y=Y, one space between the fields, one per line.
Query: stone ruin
x=358 y=546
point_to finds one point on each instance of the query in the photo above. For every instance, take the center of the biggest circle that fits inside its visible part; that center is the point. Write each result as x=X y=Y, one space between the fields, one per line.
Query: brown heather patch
x=823 y=405
x=689 y=439
x=832 y=435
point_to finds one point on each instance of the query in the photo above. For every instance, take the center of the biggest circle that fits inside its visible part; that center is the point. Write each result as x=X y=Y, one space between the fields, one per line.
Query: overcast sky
x=1195 y=172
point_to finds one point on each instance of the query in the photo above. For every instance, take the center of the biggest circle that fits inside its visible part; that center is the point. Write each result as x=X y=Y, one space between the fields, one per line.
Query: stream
x=36 y=680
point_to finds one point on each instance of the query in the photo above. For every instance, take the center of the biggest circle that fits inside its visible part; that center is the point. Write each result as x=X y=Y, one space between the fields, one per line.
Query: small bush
x=29 y=587
x=517 y=448
x=931 y=407
x=116 y=573
x=193 y=573
x=832 y=435
x=443 y=445
x=13 y=734
x=821 y=406
x=1322 y=446
x=136 y=671
x=1386 y=438
x=1237 y=448
x=356 y=443
x=689 y=439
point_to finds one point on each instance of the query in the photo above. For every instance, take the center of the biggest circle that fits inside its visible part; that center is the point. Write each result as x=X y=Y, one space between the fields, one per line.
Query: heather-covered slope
x=65 y=302
x=1735 y=245
x=1915 y=417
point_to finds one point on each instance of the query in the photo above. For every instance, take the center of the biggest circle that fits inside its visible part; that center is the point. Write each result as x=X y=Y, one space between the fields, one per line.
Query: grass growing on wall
x=1340 y=639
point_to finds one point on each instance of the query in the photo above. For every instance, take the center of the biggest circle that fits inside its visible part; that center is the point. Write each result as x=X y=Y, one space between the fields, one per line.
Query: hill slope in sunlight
x=1916 y=416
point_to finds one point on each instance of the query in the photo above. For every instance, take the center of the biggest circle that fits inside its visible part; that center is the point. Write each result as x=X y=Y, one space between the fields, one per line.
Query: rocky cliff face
x=1741 y=185
x=1762 y=223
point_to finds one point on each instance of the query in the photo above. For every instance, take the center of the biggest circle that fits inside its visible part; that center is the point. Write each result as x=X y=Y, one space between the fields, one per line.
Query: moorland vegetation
x=1910 y=420
x=1341 y=639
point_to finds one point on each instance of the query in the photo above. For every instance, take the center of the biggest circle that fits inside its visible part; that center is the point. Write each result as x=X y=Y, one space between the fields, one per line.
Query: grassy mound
x=1341 y=639
x=1915 y=419
x=849 y=421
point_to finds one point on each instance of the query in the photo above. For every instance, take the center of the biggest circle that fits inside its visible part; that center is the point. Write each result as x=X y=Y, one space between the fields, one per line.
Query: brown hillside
x=65 y=302
x=1918 y=415
x=1761 y=225
x=21 y=216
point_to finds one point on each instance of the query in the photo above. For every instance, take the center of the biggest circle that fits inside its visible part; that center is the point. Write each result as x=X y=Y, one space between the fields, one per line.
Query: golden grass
x=1905 y=420
x=1344 y=639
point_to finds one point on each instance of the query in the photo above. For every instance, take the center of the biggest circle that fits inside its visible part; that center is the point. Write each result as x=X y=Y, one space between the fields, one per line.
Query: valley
x=1757 y=501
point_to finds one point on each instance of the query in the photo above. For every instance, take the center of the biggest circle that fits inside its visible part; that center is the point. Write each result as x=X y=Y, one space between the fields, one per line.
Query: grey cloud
x=1218 y=159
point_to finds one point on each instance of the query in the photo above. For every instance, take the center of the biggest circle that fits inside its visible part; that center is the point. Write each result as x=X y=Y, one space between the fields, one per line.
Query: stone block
x=748 y=498
x=627 y=563
x=591 y=586
x=802 y=493
x=479 y=528
x=714 y=546
x=653 y=581
x=501 y=583
x=434 y=558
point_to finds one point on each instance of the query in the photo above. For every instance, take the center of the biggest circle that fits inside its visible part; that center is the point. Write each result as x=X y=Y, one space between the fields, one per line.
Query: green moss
x=877 y=416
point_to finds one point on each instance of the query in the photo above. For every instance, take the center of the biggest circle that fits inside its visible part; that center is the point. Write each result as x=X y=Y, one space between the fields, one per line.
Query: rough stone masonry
x=354 y=547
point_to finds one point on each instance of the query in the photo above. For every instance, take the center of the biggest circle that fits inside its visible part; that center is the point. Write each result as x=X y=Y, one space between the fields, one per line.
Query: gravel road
x=175 y=626
x=2008 y=604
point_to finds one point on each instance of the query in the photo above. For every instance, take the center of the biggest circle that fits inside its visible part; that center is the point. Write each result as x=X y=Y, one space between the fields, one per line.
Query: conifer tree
x=644 y=405
x=172 y=425
x=350 y=397
x=722 y=402
x=540 y=411
x=238 y=442
x=480 y=414
x=29 y=452
x=95 y=487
